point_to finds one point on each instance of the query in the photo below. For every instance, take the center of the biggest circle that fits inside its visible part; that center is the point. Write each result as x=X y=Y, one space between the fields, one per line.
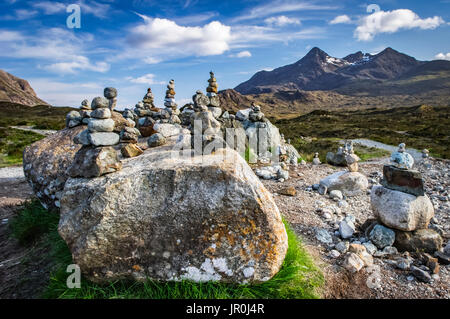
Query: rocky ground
x=23 y=273
x=308 y=212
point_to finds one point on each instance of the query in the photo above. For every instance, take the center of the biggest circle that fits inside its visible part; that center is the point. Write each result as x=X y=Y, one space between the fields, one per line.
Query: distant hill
x=356 y=74
x=17 y=90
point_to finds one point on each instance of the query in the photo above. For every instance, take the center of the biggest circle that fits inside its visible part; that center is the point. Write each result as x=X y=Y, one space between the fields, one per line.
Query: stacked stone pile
x=129 y=138
x=349 y=182
x=400 y=203
x=213 y=98
x=97 y=157
x=85 y=111
x=171 y=111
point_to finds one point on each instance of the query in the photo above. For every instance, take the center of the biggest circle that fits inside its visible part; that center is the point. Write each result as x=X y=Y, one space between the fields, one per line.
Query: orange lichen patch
x=137 y=267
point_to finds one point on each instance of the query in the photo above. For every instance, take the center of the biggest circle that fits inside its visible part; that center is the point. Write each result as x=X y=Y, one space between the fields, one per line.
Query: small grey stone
x=382 y=236
x=342 y=246
x=346 y=228
x=99 y=102
x=110 y=93
x=420 y=274
x=96 y=125
x=371 y=248
x=103 y=138
x=334 y=254
x=156 y=139
x=82 y=138
x=103 y=113
x=323 y=236
x=447 y=249
x=336 y=194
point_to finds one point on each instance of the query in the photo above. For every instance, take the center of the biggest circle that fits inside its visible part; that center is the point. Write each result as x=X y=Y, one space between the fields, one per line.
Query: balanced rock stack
x=287 y=153
x=401 y=203
x=96 y=157
x=205 y=129
x=211 y=92
x=351 y=159
x=148 y=101
x=129 y=137
x=171 y=112
x=73 y=118
x=255 y=114
x=316 y=159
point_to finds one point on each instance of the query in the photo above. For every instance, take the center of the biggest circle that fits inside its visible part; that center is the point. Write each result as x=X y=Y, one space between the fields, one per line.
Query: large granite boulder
x=403 y=180
x=349 y=183
x=171 y=218
x=400 y=210
x=45 y=163
x=421 y=240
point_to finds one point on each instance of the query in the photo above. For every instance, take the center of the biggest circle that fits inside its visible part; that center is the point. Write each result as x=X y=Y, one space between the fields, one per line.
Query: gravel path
x=37 y=131
x=12 y=173
x=417 y=155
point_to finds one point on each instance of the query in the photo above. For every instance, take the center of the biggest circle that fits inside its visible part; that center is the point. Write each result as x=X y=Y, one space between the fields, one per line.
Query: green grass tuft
x=12 y=144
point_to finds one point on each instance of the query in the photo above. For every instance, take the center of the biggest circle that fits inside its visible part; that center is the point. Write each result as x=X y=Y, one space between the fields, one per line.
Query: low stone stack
x=316 y=159
x=129 y=137
x=97 y=157
x=85 y=111
x=400 y=203
x=255 y=114
x=73 y=119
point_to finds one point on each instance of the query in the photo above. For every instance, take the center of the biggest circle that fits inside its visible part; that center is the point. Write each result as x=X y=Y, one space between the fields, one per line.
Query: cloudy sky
x=134 y=44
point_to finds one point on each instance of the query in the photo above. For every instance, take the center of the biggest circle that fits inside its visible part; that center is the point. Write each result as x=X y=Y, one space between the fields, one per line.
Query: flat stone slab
x=402 y=180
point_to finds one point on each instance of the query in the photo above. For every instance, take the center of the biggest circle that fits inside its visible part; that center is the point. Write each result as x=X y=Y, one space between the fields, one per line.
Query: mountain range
x=355 y=74
x=17 y=90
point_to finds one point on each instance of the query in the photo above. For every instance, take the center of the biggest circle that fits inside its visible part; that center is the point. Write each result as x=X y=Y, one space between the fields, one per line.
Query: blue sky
x=134 y=44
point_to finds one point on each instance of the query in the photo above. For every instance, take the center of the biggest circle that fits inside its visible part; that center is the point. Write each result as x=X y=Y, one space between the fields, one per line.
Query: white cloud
x=281 y=21
x=341 y=19
x=61 y=48
x=148 y=78
x=50 y=7
x=242 y=54
x=393 y=21
x=152 y=60
x=279 y=6
x=443 y=56
x=79 y=63
x=167 y=37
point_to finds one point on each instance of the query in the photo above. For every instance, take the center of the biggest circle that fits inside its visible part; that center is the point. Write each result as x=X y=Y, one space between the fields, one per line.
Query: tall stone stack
x=211 y=93
x=97 y=157
x=171 y=111
x=205 y=129
x=400 y=203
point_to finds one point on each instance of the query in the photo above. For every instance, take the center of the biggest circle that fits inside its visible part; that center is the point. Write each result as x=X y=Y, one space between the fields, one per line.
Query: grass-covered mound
x=12 y=144
x=298 y=277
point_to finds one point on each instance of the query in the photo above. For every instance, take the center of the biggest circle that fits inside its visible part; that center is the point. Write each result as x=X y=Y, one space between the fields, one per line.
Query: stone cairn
x=85 y=111
x=351 y=159
x=210 y=131
x=211 y=93
x=316 y=159
x=400 y=203
x=171 y=111
x=97 y=157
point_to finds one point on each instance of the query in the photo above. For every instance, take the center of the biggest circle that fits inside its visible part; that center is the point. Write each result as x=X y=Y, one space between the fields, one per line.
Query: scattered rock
x=353 y=262
x=382 y=236
x=94 y=162
x=156 y=139
x=426 y=240
x=401 y=210
x=420 y=274
x=346 y=228
x=323 y=236
x=349 y=183
x=288 y=191
x=131 y=150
